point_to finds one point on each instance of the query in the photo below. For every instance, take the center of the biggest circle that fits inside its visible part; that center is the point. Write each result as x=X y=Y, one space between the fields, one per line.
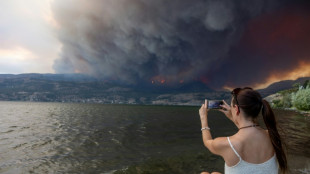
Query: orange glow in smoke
x=203 y=79
x=302 y=70
x=169 y=80
x=158 y=79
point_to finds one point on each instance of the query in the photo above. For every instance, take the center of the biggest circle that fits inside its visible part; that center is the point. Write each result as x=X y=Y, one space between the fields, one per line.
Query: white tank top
x=242 y=167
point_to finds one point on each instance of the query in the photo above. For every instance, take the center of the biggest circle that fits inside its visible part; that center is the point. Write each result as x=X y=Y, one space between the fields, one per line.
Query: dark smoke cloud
x=273 y=44
x=137 y=41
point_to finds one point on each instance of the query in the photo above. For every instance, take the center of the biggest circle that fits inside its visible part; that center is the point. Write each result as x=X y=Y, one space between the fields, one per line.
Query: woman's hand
x=203 y=112
x=226 y=110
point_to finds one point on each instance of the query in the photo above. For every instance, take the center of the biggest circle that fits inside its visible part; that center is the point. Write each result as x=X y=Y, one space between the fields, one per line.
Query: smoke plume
x=159 y=41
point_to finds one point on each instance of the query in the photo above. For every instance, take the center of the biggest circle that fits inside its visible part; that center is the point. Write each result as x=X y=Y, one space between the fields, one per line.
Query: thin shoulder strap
x=232 y=147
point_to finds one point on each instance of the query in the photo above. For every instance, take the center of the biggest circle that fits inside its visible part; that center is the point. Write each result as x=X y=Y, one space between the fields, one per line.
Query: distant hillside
x=52 y=77
x=86 y=89
x=282 y=85
x=82 y=78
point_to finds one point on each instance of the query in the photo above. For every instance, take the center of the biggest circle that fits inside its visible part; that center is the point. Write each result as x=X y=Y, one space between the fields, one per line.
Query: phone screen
x=215 y=104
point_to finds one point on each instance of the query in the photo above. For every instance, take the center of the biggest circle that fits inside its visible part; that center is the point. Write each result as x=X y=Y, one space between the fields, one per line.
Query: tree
x=296 y=85
x=306 y=83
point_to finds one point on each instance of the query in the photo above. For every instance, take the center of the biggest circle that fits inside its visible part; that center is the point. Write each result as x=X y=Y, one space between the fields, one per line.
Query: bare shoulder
x=221 y=141
x=220 y=144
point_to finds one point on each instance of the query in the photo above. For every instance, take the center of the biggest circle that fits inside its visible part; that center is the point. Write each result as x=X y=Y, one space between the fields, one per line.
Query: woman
x=252 y=149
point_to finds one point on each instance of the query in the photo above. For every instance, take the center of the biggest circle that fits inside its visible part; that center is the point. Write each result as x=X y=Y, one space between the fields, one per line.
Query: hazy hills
x=83 y=88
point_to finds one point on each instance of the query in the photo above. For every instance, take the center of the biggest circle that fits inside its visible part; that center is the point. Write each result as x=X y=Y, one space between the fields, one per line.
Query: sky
x=222 y=43
x=28 y=39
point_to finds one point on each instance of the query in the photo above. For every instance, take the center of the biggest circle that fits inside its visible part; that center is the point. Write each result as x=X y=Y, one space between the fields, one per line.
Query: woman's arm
x=214 y=145
x=206 y=134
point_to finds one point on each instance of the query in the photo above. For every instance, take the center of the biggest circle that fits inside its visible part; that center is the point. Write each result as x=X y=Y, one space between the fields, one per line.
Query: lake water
x=97 y=138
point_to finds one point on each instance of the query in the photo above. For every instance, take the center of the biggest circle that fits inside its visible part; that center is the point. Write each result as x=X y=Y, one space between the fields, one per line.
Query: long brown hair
x=251 y=102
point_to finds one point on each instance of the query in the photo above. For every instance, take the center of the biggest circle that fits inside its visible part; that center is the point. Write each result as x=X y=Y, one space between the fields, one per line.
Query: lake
x=99 y=138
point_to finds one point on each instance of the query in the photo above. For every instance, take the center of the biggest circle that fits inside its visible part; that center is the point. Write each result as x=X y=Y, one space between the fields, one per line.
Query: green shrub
x=284 y=102
x=277 y=103
x=287 y=101
x=301 y=99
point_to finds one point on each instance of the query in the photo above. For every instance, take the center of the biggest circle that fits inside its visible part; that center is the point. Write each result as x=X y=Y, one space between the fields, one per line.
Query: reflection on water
x=95 y=138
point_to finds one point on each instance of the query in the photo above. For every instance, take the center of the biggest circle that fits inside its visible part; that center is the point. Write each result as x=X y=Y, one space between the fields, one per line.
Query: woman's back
x=250 y=151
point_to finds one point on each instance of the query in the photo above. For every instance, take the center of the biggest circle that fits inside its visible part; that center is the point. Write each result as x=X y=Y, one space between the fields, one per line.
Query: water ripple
x=96 y=138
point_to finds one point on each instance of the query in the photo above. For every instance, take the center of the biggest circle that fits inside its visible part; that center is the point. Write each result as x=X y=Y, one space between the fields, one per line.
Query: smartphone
x=215 y=104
